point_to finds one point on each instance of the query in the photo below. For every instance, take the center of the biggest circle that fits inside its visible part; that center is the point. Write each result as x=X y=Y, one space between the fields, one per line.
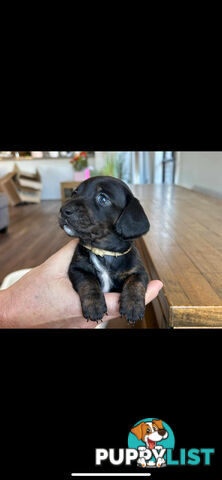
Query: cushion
x=3 y=200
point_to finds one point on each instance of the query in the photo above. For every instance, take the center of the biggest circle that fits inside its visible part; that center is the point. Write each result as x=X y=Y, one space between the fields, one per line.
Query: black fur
x=113 y=226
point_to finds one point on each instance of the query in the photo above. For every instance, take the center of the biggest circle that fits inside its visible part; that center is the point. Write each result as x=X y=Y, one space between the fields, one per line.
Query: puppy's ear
x=158 y=424
x=137 y=430
x=133 y=221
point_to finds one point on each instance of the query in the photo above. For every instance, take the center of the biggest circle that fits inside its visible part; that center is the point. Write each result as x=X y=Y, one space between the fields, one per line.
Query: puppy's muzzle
x=67 y=211
x=162 y=432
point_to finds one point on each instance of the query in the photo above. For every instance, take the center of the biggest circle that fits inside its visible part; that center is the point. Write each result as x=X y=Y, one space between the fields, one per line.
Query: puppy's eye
x=103 y=200
x=155 y=429
x=74 y=192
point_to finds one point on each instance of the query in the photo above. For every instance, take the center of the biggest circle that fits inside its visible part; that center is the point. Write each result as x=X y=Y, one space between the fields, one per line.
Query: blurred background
x=200 y=171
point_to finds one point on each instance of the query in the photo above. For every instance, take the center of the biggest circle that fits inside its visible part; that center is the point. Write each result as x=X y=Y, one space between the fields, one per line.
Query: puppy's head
x=150 y=431
x=102 y=206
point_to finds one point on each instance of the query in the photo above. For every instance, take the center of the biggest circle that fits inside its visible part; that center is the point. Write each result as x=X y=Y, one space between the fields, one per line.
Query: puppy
x=105 y=215
x=151 y=433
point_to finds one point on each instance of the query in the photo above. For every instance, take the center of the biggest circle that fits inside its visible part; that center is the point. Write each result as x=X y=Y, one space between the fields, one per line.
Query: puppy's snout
x=66 y=210
x=162 y=432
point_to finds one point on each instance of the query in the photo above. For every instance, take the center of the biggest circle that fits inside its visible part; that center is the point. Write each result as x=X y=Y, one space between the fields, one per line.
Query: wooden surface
x=33 y=235
x=184 y=250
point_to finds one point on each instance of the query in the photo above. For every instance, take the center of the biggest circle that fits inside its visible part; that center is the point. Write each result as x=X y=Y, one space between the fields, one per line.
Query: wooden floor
x=33 y=235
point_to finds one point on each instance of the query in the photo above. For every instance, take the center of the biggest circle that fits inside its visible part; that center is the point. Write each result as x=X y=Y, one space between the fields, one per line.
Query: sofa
x=4 y=216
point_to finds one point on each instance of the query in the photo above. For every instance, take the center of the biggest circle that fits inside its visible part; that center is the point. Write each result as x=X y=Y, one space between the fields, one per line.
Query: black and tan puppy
x=105 y=215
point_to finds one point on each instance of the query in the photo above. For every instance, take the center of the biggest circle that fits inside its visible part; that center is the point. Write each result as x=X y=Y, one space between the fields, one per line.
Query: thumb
x=61 y=260
x=152 y=290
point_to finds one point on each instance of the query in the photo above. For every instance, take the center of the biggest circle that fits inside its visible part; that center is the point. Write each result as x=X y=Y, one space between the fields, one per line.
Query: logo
x=151 y=438
x=151 y=444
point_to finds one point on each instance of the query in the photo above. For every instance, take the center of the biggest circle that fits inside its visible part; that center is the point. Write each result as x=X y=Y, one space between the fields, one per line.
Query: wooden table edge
x=196 y=316
x=160 y=304
x=183 y=316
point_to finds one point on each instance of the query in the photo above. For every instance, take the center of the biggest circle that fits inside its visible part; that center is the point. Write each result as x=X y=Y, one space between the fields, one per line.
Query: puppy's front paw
x=94 y=308
x=160 y=462
x=141 y=462
x=133 y=309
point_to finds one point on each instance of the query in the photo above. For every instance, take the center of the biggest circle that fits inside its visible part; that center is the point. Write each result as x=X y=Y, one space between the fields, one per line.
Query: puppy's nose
x=162 y=432
x=66 y=211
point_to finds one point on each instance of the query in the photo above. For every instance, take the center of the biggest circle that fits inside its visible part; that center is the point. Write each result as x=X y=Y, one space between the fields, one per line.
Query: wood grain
x=33 y=235
x=184 y=250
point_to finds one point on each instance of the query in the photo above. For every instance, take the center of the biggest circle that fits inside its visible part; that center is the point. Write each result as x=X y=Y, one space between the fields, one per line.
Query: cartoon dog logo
x=151 y=433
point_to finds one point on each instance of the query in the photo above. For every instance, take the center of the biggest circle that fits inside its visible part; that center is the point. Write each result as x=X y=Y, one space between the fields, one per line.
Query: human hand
x=45 y=298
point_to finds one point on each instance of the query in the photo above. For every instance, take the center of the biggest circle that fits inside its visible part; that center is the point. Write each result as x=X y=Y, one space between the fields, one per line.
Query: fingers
x=112 y=302
x=152 y=290
x=112 y=299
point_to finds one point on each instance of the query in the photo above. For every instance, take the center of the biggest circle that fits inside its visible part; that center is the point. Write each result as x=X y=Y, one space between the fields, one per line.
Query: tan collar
x=101 y=253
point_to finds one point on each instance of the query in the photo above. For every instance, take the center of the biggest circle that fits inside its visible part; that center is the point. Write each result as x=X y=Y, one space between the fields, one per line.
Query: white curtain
x=141 y=167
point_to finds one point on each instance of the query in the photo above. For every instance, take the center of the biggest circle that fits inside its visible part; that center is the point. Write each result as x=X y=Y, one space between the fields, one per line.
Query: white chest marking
x=103 y=274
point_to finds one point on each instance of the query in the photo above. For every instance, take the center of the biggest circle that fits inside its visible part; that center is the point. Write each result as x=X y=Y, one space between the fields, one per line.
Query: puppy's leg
x=132 y=298
x=90 y=293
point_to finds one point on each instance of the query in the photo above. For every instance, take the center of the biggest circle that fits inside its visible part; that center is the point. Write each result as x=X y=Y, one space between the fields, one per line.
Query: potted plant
x=80 y=165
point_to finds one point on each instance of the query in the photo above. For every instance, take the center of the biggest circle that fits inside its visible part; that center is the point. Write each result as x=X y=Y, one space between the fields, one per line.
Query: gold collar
x=101 y=253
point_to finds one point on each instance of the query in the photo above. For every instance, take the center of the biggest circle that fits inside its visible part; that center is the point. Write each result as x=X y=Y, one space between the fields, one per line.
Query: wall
x=52 y=173
x=201 y=171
